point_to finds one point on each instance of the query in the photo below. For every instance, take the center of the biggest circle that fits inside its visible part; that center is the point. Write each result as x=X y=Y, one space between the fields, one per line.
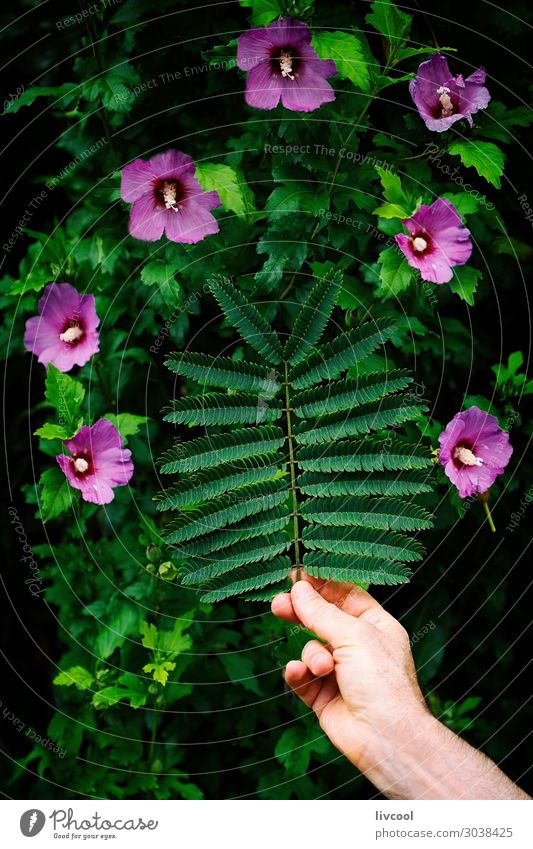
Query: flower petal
x=263 y=87
x=191 y=224
x=147 y=221
x=136 y=180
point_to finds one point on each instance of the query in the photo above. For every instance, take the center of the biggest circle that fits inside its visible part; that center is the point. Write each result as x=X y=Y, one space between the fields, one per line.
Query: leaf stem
x=292 y=466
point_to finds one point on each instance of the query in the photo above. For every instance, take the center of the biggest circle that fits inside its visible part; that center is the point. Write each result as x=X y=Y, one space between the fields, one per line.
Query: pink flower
x=98 y=462
x=283 y=66
x=65 y=331
x=474 y=450
x=167 y=197
x=442 y=99
x=437 y=241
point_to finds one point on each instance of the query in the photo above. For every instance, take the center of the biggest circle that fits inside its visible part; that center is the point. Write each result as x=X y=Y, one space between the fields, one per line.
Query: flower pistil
x=285 y=64
x=466 y=456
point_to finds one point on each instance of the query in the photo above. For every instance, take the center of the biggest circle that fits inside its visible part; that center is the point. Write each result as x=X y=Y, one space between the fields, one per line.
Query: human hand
x=363 y=688
x=362 y=685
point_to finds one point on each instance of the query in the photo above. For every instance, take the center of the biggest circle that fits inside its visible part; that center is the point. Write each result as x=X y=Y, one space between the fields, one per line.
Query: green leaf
x=160 y=670
x=263 y=11
x=285 y=254
x=465 y=203
x=57 y=431
x=149 y=632
x=348 y=53
x=132 y=691
x=63 y=95
x=485 y=157
x=399 y=203
x=56 y=494
x=390 y=22
x=127 y=424
x=312 y=317
x=239 y=668
x=66 y=395
x=76 y=675
x=395 y=273
x=161 y=272
x=246 y=318
x=464 y=282
x=230 y=185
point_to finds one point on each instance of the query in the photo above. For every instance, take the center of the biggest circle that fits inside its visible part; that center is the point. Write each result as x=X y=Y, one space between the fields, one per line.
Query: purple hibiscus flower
x=98 y=462
x=167 y=197
x=65 y=331
x=442 y=99
x=283 y=66
x=437 y=241
x=474 y=450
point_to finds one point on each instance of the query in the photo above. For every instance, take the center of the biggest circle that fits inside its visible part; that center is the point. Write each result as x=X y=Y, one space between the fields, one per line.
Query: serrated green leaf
x=395 y=273
x=348 y=53
x=464 y=282
x=230 y=185
x=56 y=494
x=485 y=157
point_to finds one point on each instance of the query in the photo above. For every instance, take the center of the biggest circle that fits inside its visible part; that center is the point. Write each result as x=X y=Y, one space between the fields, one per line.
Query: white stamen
x=419 y=244
x=80 y=464
x=445 y=101
x=285 y=63
x=169 y=195
x=72 y=333
x=466 y=456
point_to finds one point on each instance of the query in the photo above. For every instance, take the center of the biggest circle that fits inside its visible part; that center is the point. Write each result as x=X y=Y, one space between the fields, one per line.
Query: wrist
x=403 y=762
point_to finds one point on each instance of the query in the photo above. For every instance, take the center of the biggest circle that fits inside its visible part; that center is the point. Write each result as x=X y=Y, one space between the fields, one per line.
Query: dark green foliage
x=230 y=527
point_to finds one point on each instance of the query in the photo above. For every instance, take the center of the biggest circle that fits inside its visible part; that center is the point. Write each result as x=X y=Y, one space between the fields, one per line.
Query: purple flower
x=65 y=331
x=99 y=462
x=474 y=450
x=442 y=99
x=437 y=241
x=283 y=65
x=167 y=197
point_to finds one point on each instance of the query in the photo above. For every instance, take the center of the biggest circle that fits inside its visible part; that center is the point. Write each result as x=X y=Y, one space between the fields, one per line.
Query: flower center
x=81 y=464
x=285 y=64
x=170 y=194
x=72 y=333
x=419 y=243
x=445 y=101
x=466 y=456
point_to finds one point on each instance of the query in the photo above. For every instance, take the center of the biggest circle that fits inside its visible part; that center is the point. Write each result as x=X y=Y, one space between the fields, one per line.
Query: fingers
x=283 y=609
x=316 y=693
x=348 y=597
x=325 y=619
x=302 y=681
x=317 y=658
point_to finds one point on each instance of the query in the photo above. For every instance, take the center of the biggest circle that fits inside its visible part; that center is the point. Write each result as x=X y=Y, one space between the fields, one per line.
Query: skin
x=362 y=685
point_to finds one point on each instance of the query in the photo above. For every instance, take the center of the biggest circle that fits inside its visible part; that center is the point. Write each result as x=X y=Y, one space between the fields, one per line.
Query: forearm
x=428 y=761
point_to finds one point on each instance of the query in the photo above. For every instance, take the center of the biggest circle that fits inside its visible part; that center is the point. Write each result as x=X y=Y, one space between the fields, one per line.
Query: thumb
x=325 y=619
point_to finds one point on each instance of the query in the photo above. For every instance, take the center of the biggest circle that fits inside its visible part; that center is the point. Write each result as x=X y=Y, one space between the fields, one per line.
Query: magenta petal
x=307 y=93
x=110 y=464
x=480 y=432
x=147 y=220
x=263 y=88
x=191 y=224
x=136 y=179
x=171 y=163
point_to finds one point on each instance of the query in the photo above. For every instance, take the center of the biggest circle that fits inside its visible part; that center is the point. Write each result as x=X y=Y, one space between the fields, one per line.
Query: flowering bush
x=330 y=175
